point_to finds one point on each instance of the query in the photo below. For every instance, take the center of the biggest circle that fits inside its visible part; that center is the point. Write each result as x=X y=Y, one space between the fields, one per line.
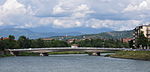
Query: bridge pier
x=12 y=53
x=43 y=54
x=16 y=53
x=95 y=54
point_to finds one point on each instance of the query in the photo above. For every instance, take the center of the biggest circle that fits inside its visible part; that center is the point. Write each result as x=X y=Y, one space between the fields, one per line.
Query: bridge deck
x=66 y=48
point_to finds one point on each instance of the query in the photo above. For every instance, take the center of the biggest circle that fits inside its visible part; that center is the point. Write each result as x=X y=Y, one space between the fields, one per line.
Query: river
x=71 y=63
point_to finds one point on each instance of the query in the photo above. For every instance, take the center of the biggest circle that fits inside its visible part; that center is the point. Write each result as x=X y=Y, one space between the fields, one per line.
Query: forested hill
x=112 y=35
x=34 y=35
x=106 y=35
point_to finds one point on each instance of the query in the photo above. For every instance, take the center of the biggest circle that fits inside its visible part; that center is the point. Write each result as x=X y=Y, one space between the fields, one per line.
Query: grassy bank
x=140 y=55
x=77 y=52
x=28 y=54
x=2 y=54
x=21 y=54
x=8 y=55
x=67 y=52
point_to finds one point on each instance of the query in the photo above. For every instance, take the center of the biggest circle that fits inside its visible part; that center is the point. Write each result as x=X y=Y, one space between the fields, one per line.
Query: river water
x=71 y=63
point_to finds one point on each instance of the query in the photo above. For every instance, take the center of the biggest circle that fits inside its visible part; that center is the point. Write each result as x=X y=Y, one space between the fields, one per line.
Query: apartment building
x=145 y=29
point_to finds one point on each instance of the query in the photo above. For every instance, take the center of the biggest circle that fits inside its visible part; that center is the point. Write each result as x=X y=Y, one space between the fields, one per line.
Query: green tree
x=9 y=43
x=12 y=42
x=40 y=43
x=102 y=43
x=2 y=45
x=141 y=41
x=11 y=37
x=131 y=44
x=24 y=42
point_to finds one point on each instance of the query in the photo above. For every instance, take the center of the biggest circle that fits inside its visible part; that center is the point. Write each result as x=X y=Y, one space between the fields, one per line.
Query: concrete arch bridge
x=44 y=51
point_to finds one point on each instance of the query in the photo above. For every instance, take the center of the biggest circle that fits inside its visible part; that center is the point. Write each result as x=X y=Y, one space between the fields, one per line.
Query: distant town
x=140 y=39
x=138 y=42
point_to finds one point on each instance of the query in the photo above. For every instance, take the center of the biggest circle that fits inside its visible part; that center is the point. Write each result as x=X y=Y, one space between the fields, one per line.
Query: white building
x=74 y=46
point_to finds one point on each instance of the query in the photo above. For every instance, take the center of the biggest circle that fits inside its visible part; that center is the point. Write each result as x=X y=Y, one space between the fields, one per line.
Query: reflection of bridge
x=44 y=51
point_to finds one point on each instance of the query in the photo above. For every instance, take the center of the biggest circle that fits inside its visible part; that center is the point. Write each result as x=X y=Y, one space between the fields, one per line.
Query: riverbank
x=50 y=53
x=67 y=52
x=8 y=55
x=138 y=55
x=53 y=53
x=21 y=54
x=28 y=54
x=2 y=54
x=77 y=52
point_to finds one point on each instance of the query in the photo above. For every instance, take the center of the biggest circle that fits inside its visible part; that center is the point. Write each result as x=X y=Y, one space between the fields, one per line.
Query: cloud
x=9 y=10
x=76 y=12
x=144 y=5
x=113 y=14
x=12 y=7
x=66 y=23
x=74 y=8
x=82 y=11
x=113 y=24
x=16 y=14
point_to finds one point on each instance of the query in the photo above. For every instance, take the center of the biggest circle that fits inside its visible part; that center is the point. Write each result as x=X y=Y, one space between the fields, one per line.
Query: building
x=5 y=38
x=73 y=40
x=74 y=46
x=143 y=29
x=70 y=40
x=126 y=40
x=47 y=39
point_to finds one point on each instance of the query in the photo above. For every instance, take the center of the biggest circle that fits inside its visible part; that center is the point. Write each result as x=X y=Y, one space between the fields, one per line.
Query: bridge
x=44 y=51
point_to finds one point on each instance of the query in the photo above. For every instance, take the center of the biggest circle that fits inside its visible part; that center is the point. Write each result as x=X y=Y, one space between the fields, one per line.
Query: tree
x=141 y=41
x=40 y=43
x=11 y=37
x=12 y=42
x=2 y=45
x=24 y=42
x=9 y=43
x=131 y=44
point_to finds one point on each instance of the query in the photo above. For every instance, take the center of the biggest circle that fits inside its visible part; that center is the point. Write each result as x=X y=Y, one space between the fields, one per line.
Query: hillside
x=111 y=35
x=33 y=35
x=104 y=35
x=57 y=35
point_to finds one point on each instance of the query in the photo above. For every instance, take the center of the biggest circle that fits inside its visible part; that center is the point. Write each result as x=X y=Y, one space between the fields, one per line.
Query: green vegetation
x=68 y=52
x=111 y=35
x=28 y=54
x=104 y=35
x=6 y=55
x=8 y=43
x=110 y=43
x=141 y=41
x=23 y=42
x=141 y=55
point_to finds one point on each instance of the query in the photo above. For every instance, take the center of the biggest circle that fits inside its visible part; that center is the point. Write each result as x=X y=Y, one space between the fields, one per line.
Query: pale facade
x=145 y=29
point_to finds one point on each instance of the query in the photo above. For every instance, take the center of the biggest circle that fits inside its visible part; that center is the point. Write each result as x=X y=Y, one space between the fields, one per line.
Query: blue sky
x=65 y=14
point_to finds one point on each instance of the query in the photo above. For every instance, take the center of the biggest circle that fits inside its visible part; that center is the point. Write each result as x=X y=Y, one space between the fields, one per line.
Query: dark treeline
x=24 y=42
x=102 y=43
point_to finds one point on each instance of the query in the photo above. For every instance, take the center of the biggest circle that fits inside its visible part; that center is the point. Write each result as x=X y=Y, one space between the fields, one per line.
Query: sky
x=116 y=15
